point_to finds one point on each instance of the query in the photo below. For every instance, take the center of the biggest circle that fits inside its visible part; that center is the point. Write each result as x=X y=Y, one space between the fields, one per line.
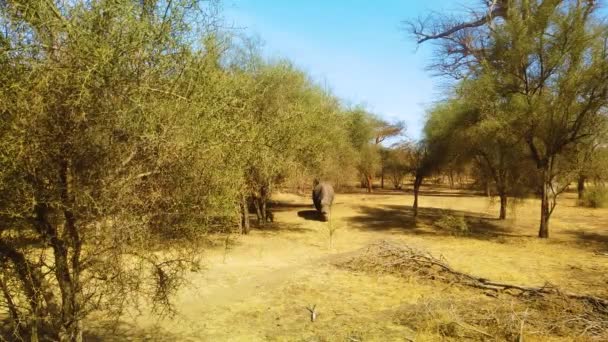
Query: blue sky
x=357 y=48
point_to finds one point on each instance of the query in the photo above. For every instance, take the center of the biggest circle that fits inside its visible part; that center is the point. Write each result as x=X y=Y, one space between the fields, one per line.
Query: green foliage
x=130 y=125
x=361 y=129
x=595 y=197
x=398 y=163
x=453 y=224
x=537 y=75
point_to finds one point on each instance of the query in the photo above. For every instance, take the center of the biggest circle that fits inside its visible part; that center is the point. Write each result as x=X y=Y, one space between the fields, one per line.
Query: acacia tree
x=128 y=132
x=361 y=134
x=548 y=62
x=423 y=166
x=397 y=163
x=367 y=132
x=293 y=125
x=384 y=130
x=103 y=159
x=481 y=135
x=437 y=149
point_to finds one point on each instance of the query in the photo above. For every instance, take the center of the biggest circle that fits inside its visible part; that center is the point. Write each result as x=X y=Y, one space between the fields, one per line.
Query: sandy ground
x=260 y=289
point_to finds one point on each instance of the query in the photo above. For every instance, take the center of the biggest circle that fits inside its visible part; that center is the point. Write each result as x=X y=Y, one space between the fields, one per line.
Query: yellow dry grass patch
x=260 y=289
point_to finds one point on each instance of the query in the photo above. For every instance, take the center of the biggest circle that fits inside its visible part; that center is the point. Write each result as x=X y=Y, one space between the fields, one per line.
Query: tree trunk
x=73 y=332
x=70 y=324
x=258 y=209
x=23 y=268
x=503 y=206
x=67 y=267
x=581 y=186
x=264 y=209
x=543 y=231
x=488 y=190
x=451 y=178
x=10 y=304
x=369 y=181
x=245 y=226
x=382 y=178
x=417 y=184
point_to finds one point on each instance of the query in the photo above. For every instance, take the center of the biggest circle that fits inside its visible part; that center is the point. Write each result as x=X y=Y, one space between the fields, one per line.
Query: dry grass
x=548 y=311
x=260 y=289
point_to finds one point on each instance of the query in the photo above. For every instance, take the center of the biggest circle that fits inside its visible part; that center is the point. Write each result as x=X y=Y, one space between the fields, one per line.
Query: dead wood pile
x=557 y=312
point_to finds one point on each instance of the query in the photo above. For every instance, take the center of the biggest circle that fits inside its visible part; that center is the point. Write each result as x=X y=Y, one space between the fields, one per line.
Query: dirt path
x=260 y=288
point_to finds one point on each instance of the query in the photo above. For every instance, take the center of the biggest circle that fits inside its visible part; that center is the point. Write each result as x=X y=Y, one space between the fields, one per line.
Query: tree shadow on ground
x=434 y=191
x=362 y=191
x=400 y=217
x=111 y=330
x=287 y=206
x=121 y=331
x=439 y=193
x=595 y=240
x=276 y=227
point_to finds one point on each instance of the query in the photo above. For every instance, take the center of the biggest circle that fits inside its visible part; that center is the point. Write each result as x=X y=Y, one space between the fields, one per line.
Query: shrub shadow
x=596 y=240
x=433 y=191
x=377 y=191
x=283 y=227
x=121 y=331
x=438 y=193
x=400 y=217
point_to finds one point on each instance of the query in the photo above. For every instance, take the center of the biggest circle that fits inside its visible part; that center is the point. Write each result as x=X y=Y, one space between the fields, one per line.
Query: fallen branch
x=473 y=328
x=313 y=312
x=385 y=255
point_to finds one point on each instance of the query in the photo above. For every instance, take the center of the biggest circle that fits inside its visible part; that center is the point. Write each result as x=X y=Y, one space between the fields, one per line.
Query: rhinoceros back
x=323 y=196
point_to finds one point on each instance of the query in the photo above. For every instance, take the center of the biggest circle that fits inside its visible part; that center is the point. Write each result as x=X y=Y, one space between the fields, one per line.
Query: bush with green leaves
x=453 y=224
x=595 y=197
x=130 y=129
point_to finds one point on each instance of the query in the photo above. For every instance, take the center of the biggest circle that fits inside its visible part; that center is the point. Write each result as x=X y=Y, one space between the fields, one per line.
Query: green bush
x=596 y=197
x=455 y=224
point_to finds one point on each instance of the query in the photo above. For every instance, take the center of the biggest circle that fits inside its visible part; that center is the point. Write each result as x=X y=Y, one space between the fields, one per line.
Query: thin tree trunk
x=545 y=213
x=258 y=210
x=68 y=277
x=370 y=181
x=581 y=187
x=382 y=178
x=29 y=285
x=503 y=206
x=265 y=196
x=451 y=178
x=417 y=184
x=264 y=209
x=245 y=225
x=12 y=308
x=488 y=190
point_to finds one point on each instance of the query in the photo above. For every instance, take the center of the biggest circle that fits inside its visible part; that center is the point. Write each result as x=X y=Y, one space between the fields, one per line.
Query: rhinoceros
x=323 y=197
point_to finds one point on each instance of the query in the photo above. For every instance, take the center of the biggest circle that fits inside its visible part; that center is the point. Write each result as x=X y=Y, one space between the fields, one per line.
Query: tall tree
x=384 y=130
x=362 y=128
x=548 y=60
